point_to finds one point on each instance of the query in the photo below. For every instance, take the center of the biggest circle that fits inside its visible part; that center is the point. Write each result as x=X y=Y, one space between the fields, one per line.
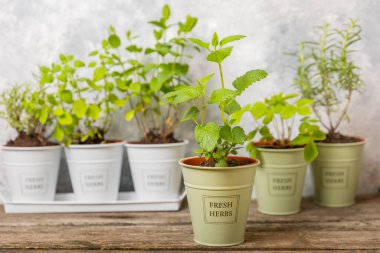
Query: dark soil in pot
x=340 y=138
x=25 y=140
x=276 y=145
x=156 y=137
x=233 y=161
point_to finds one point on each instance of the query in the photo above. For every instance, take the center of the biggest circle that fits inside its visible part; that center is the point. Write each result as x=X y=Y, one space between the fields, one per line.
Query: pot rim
x=324 y=144
x=183 y=160
x=95 y=146
x=281 y=150
x=51 y=147
x=164 y=145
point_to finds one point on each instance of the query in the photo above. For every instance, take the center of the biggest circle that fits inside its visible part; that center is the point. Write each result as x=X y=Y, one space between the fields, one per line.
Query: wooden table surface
x=315 y=228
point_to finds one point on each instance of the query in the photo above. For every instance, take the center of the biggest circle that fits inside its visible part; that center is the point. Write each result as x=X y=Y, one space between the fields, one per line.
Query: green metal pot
x=219 y=200
x=336 y=173
x=280 y=180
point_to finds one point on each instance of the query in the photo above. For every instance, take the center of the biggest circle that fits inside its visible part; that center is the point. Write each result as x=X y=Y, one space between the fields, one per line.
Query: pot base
x=279 y=213
x=336 y=206
x=219 y=245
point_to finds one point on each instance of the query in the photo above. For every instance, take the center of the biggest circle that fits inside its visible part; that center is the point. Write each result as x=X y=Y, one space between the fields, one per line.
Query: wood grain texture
x=314 y=229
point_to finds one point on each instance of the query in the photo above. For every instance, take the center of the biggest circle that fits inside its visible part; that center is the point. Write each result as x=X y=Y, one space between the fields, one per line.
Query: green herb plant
x=25 y=109
x=279 y=113
x=82 y=105
x=146 y=74
x=216 y=141
x=327 y=74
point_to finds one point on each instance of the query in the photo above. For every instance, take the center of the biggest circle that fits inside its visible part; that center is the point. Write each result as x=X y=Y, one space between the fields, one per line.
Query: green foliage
x=145 y=74
x=279 y=113
x=82 y=100
x=216 y=142
x=327 y=74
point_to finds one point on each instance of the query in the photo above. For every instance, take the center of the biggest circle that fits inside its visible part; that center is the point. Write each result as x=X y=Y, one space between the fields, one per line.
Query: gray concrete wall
x=35 y=32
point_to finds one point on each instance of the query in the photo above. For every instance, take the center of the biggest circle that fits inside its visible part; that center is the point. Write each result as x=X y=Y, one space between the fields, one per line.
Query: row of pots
x=95 y=170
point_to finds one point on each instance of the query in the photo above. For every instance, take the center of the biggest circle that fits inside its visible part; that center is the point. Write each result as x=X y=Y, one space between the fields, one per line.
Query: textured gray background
x=35 y=32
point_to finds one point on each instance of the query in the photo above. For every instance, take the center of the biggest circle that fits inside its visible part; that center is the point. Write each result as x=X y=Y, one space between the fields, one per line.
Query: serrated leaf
x=231 y=38
x=207 y=136
x=319 y=135
x=80 y=108
x=200 y=43
x=234 y=135
x=232 y=107
x=310 y=152
x=301 y=140
x=114 y=41
x=221 y=95
x=162 y=77
x=219 y=55
x=183 y=94
x=190 y=114
x=250 y=77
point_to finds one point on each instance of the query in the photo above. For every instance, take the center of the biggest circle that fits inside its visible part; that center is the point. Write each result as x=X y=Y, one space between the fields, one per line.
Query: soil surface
x=230 y=162
x=275 y=145
x=94 y=140
x=25 y=140
x=340 y=138
x=157 y=138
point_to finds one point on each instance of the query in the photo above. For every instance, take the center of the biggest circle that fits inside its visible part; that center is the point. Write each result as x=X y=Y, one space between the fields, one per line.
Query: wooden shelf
x=315 y=228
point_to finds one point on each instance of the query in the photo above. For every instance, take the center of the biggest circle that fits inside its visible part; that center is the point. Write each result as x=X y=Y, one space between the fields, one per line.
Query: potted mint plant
x=283 y=153
x=31 y=161
x=145 y=75
x=83 y=107
x=328 y=75
x=218 y=183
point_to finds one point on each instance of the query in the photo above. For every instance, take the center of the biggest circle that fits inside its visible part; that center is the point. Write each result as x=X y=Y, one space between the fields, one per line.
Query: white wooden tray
x=64 y=203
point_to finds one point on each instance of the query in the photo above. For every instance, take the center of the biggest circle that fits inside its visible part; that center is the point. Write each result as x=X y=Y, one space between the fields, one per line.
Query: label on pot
x=220 y=209
x=282 y=184
x=94 y=181
x=155 y=181
x=34 y=183
x=335 y=178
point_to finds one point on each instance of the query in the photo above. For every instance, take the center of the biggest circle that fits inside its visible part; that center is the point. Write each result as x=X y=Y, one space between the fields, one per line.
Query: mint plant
x=82 y=105
x=279 y=113
x=327 y=74
x=216 y=141
x=25 y=109
x=146 y=74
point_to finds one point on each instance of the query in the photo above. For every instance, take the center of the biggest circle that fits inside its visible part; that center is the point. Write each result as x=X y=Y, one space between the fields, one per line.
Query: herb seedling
x=328 y=75
x=145 y=81
x=278 y=113
x=216 y=142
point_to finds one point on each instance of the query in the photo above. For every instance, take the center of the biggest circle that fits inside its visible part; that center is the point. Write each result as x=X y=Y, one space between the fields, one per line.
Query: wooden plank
x=316 y=228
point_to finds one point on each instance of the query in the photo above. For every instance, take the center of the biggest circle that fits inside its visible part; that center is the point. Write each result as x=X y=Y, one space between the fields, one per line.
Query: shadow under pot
x=31 y=172
x=336 y=173
x=95 y=170
x=219 y=200
x=155 y=170
x=280 y=180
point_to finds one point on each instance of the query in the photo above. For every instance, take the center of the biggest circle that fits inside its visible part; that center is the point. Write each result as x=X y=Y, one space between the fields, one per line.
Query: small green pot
x=280 y=180
x=219 y=200
x=336 y=173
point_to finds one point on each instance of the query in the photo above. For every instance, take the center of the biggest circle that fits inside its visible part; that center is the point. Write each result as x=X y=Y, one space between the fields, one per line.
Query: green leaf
x=133 y=49
x=190 y=114
x=235 y=135
x=99 y=73
x=207 y=136
x=221 y=163
x=288 y=112
x=200 y=43
x=80 y=108
x=236 y=116
x=65 y=119
x=304 y=111
x=215 y=39
x=250 y=77
x=58 y=111
x=304 y=101
x=229 y=39
x=221 y=95
x=301 y=140
x=114 y=41
x=219 y=55
x=268 y=118
x=79 y=64
x=258 y=110
x=162 y=77
x=251 y=148
x=183 y=94
x=252 y=134
x=129 y=115
x=66 y=96
x=319 y=135
x=93 y=111
x=232 y=107
x=310 y=152
x=44 y=115
x=166 y=12
x=189 y=24
x=58 y=133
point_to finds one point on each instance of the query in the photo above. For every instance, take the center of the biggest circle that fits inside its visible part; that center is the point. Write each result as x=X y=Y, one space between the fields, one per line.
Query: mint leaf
x=310 y=152
x=114 y=41
x=250 y=77
x=190 y=114
x=258 y=110
x=80 y=108
x=99 y=73
x=235 y=135
x=288 y=112
x=229 y=39
x=215 y=39
x=183 y=94
x=219 y=55
x=207 y=136
x=221 y=95
x=66 y=96
x=200 y=43
x=232 y=107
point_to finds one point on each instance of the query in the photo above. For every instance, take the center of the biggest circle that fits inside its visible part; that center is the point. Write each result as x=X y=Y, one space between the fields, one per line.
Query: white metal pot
x=95 y=170
x=31 y=172
x=155 y=170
